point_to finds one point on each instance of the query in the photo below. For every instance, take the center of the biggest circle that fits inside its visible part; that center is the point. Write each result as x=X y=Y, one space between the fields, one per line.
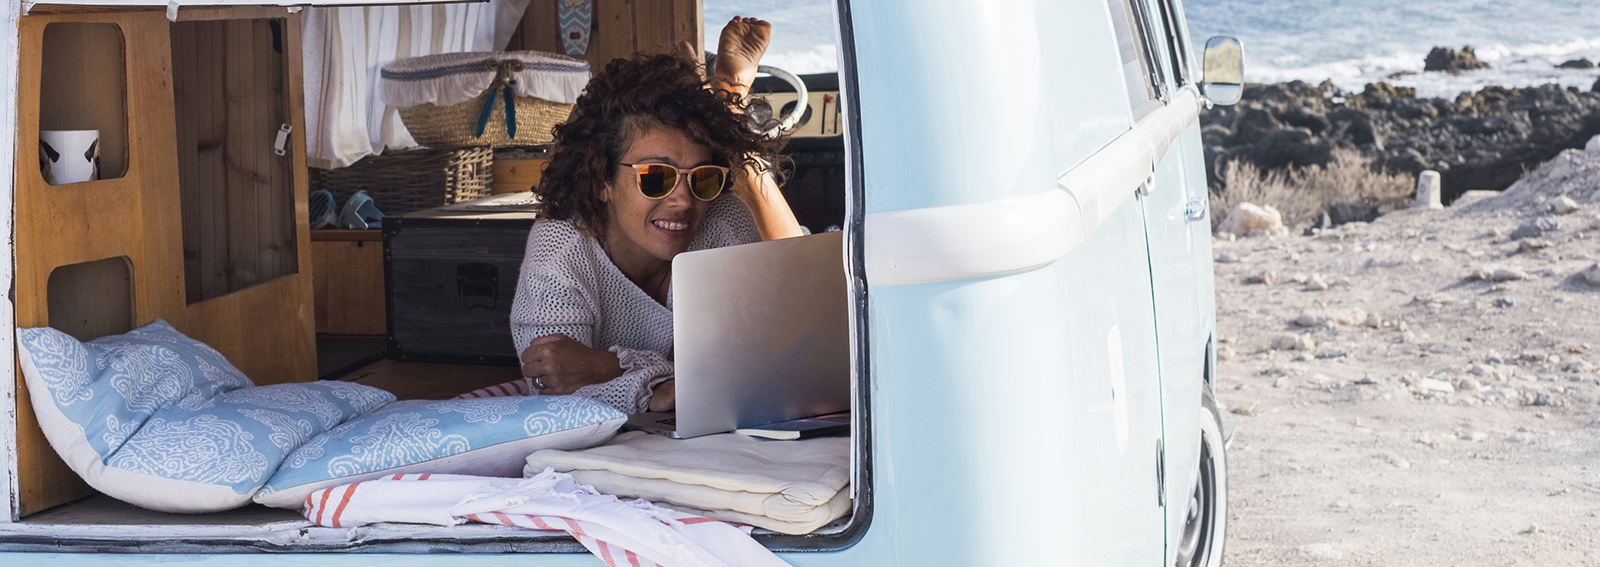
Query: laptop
x=761 y=335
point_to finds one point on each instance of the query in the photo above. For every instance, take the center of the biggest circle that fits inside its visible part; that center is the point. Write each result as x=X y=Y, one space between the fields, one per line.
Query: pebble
x=1578 y=367
x=1227 y=258
x=1330 y=354
x=1268 y=277
x=1483 y=370
x=1293 y=342
x=1473 y=436
x=1316 y=283
x=1444 y=349
x=1399 y=463
x=1374 y=321
x=1542 y=399
x=1468 y=385
x=1536 y=228
x=1533 y=244
x=1563 y=205
x=1226 y=353
x=1505 y=303
x=1592 y=275
x=1299 y=278
x=1432 y=385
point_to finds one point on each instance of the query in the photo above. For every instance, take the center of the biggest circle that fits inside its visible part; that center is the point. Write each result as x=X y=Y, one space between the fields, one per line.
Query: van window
x=1139 y=71
x=1176 y=45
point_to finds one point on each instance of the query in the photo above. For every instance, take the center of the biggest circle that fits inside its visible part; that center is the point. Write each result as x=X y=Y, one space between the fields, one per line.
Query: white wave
x=1510 y=66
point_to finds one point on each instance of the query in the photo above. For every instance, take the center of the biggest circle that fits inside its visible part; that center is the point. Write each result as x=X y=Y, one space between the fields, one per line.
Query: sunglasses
x=657 y=180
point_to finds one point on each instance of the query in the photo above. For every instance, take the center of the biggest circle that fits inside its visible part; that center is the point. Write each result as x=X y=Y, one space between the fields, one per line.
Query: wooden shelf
x=340 y=235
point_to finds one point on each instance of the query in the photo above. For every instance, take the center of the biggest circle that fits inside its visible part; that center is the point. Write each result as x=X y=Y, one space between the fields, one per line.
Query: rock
x=1227 y=353
x=1542 y=399
x=1508 y=274
x=1398 y=462
x=1578 y=367
x=1268 y=277
x=1444 y=349
x=1316 y=283
x=1293 y=342
x=1249 y=219
x=1428 y=195
x=1533 y=244
x=1432 y=385
x=1535 y=228
x=1580 y=63
x=1468 y=385
x=1324 y=354
x=1309 y=319
x=1505 y=303
x=1227 y=258
x=1374 y=321
x=1474 y=436
x=1452 y=61
x=1563 y=205
x=1591 y=275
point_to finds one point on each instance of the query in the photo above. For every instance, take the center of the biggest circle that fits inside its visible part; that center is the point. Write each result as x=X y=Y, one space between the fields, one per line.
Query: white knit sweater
x=568 y=285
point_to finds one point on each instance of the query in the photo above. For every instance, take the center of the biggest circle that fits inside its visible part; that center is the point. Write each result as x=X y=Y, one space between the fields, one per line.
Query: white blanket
x=791 y=487
x=620 y=533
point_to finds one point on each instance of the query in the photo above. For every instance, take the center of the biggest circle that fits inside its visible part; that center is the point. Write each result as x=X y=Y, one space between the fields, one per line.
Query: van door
x=1179 y=235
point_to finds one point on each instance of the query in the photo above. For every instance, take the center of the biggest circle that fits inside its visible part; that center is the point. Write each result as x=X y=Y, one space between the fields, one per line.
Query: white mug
x=69 y=156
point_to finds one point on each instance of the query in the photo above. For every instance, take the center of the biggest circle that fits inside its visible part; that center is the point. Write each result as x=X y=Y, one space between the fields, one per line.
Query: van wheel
x=1206 y=526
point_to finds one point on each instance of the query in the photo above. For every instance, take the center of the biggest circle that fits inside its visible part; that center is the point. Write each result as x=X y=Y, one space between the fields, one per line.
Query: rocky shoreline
x=1484 y=140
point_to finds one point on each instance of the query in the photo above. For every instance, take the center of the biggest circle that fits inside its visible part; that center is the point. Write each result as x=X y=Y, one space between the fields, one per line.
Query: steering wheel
x=761 y=112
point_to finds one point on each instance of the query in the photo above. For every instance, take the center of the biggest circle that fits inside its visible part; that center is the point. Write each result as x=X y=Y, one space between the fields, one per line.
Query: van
x=1028 y=256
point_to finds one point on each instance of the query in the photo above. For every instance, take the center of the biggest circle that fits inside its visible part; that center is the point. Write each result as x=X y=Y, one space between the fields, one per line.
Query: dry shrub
x=1302 y=193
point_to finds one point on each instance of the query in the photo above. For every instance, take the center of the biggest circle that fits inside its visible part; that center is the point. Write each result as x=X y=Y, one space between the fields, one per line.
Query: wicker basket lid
x=452 y=78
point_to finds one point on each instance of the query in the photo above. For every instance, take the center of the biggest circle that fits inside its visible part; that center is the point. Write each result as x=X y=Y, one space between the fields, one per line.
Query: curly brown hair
x=619 y=103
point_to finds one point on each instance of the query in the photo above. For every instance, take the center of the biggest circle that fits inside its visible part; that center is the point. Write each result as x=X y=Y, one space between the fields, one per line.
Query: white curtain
x=345 y=48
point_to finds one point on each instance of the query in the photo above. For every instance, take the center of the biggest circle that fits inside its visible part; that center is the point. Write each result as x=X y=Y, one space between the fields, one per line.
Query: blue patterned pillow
x=479 y=436
x=159 y=420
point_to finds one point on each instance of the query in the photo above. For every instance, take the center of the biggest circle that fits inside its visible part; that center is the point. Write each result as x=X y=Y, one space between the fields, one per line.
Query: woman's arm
x=739 y=50
x=760 y=193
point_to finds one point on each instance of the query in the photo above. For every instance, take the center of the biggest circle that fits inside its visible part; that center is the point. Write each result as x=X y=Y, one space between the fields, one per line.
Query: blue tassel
x=511 y=112
x=488 y=108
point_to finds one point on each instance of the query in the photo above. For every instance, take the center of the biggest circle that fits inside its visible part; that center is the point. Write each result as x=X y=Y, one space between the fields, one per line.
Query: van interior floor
x=338 y=355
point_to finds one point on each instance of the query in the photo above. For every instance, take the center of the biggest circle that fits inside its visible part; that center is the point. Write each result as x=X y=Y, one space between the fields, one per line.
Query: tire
x=1206 y=526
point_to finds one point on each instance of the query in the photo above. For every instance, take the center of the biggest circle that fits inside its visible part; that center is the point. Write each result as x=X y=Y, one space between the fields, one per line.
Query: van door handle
x=1195 y=209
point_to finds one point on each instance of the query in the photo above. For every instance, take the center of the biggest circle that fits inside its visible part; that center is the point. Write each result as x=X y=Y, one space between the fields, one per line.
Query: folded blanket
x=791 y=487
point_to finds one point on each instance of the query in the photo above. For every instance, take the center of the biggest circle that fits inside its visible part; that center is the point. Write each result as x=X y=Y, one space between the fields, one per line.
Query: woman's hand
x=562 y=365
x=664 y=397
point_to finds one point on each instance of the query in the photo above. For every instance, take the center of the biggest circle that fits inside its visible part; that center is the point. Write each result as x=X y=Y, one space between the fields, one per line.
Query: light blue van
x=1029 y=254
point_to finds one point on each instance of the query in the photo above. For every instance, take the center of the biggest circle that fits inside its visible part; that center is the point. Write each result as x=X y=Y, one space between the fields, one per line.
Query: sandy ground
x=1431 y=418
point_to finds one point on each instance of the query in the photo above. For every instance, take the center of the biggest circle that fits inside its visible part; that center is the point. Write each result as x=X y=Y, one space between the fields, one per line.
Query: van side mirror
x=1223 y=79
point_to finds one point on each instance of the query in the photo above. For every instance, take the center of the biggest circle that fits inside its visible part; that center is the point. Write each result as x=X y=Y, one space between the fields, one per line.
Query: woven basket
x=456 y=126
x=411 y=180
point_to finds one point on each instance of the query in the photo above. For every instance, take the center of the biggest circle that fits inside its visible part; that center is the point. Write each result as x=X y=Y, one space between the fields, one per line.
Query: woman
x=637 y=176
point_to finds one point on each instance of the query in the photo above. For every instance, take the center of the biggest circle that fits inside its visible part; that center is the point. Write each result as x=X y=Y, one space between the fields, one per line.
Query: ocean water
x=1352 y=42
x=1355 y=42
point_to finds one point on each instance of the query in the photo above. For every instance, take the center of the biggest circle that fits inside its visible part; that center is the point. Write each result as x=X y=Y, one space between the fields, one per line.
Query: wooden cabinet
x=347 y=278
x=133 y=227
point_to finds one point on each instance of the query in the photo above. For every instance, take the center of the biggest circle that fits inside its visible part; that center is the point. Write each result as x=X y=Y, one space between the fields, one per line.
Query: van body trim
x=1016 y=235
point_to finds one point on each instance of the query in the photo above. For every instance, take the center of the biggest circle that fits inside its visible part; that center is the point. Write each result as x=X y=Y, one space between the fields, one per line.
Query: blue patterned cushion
x=480 y=436
x=157 y=419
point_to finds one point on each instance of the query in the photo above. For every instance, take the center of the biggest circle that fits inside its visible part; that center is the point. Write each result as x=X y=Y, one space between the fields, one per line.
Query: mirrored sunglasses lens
x=656 y=181
x=708 y=182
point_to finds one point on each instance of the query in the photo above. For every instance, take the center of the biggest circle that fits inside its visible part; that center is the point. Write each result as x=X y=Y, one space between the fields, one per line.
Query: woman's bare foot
x=739 y=51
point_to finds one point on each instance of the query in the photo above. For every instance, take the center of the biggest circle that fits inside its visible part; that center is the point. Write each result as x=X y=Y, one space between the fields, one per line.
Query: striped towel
x=623 y=534
x=518 y=387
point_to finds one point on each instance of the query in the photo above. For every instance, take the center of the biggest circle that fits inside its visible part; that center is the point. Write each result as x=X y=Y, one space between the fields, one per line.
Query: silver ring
x=539 y=384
